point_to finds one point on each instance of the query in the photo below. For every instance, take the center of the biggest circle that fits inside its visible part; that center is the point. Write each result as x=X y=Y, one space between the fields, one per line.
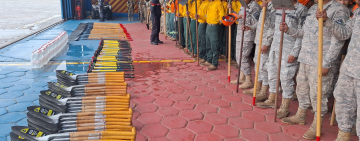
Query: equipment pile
x=91 y=106
x=112 y=56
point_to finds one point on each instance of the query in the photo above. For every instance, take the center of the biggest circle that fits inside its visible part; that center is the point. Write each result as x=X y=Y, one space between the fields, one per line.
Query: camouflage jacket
x=294 y=19
x=130 y=4
x=269 y=25
x=309 y=34
x=350 y=64
x=252 y=17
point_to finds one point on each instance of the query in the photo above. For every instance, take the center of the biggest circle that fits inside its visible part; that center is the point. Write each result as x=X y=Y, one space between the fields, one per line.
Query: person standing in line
x=130 y=5
x=214 y=15
x=182 y=28
x=289 y=64
x=306 y=79
x=155 y=9
x=347 y=90
x=253 y=14
x=222 y=35
x=101 y=10
x=268 y=33
x=202 y=30
x=235 y=5
x=192 y=11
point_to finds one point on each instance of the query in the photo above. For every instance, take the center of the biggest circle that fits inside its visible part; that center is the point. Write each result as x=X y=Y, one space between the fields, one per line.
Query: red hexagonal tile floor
x=177 y=100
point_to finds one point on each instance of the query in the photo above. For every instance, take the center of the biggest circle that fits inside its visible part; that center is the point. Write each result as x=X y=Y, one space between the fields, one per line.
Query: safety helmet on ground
x=229 y=19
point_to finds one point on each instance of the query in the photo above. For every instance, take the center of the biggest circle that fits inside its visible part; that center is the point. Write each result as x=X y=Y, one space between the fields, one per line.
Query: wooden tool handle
x=111 y=120
x=105 y=97
x=129 y=137
x=85 y=134
x=104 y=106
x=104 y=109
x=107 y=116
x=103 y=123
x=104 y=113
x=105 y=101
x=259 y=53
x=109 y=93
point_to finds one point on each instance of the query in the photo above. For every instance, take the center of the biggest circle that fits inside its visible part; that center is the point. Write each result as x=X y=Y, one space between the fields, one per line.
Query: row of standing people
x=299 y=59
x=299 y=56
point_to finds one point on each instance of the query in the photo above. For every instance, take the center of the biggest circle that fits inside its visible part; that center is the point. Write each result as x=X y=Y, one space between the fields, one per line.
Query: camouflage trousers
x=347 y=95
x=263 y=68
x=287 y=73
x=245 y=60
x=336 y=66
x=306 y=88
x=131 y=13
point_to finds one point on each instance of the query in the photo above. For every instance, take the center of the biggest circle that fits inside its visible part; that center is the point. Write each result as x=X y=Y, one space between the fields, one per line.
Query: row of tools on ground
x=112 y=56
x=83 y=107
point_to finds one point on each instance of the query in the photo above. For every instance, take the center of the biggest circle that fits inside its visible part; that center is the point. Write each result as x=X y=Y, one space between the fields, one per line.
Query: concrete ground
x=23 y=17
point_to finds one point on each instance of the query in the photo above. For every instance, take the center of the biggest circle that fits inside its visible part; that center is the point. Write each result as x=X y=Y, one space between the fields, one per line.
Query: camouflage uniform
x=347 y=89
x=291 y=46
x=252 y=16
x=307 y=77
x=101 y=10
x=142 y=10
x=268 y=33
x=337 y=64
x=131 y=5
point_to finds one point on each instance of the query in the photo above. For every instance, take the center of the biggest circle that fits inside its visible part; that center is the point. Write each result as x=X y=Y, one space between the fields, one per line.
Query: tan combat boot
x=294 y=97
x=206 y=64
x=310 y=134
x=263 y=93
x=284 y=108
x=343 y=136
x=211 y=68
x=241 y=79
x=298 y=118
x=269 y=103
x=251 y=91
x=233 y=63
x=248 y=83
x=353 y=130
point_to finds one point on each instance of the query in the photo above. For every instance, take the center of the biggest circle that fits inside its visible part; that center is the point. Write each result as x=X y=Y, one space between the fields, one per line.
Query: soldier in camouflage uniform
x=141 y=10
x=347 y=89
x=252 y=18
x=101 y=10
x=130 y=4
x=268 y=32
x=289 y=64
x=306 y=88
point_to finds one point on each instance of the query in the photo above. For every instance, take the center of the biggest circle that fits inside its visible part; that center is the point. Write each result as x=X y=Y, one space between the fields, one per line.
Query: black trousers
x=155 y=29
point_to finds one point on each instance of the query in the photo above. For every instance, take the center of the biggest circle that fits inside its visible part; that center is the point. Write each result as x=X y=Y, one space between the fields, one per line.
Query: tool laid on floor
x=112 y=56
x=86 y=111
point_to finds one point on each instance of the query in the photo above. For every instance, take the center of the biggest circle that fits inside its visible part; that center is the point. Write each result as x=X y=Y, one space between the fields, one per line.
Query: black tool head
x=244 y=4
x=41 y=125
x=42 y=113
x=27 y=132
x=49 y=105
x=65 y=74
x=40 y=128
x=283 y=4
x=15 y=137
x=42 y=122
